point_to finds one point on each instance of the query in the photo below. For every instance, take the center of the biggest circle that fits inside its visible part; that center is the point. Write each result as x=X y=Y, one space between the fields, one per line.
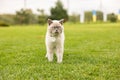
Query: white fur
x=55 y=44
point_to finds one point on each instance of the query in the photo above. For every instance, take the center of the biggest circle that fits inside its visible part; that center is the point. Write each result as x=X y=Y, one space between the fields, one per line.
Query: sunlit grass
x=92 y=52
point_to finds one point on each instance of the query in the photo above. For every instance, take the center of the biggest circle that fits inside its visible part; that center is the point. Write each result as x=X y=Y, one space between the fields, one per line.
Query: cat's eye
x=56 y=27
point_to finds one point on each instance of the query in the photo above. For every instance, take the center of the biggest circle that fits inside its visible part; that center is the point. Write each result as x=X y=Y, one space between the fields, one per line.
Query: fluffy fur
x=55 y=39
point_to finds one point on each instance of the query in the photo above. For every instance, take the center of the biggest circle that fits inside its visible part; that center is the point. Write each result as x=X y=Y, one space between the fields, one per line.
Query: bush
x=7 y=19
x=88 y=16
x=112 y=17
x=42 y=18
x=99 y=16
x=74 y=18
x=3 y=24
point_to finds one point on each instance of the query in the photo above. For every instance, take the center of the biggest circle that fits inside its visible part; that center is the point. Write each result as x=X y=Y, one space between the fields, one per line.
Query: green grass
x=92 y=52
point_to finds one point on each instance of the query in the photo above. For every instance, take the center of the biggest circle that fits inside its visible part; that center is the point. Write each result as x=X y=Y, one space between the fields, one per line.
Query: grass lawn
x=92 y=52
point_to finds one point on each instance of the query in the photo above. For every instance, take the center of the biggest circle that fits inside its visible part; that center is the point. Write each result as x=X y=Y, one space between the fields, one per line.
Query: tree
x=112 y=17
x=88 y=16
x=99 y=15
x=7 y=19
x=42 y=18
x=58 y=12
x=25 y=17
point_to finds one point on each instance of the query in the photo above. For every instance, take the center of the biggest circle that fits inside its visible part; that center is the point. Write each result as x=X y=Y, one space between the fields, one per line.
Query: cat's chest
x=54 y=39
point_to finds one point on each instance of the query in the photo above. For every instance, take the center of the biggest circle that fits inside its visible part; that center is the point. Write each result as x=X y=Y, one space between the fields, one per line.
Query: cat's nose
x=56 y=30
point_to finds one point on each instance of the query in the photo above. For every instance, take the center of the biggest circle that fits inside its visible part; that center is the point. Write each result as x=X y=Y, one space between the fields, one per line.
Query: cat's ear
x=62 y=21
x=49 y=21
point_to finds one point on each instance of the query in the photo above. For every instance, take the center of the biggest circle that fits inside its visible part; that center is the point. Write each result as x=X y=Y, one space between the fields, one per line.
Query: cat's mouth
x=56 y=32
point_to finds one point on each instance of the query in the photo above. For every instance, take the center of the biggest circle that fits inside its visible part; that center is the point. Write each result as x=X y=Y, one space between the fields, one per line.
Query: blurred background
x=19 y=12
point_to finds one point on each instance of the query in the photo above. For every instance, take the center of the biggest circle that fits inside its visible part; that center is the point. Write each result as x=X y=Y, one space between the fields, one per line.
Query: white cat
x=55 y=39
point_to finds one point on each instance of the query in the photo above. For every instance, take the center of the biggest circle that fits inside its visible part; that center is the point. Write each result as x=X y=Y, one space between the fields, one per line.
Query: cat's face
x=55 y=27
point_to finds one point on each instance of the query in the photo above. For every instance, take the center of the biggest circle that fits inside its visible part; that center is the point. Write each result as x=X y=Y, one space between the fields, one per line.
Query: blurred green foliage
x=74 y=18
x=26 y=16
x=112 y=17
x=42 y=18
x=88 y=16
x=58 y=12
